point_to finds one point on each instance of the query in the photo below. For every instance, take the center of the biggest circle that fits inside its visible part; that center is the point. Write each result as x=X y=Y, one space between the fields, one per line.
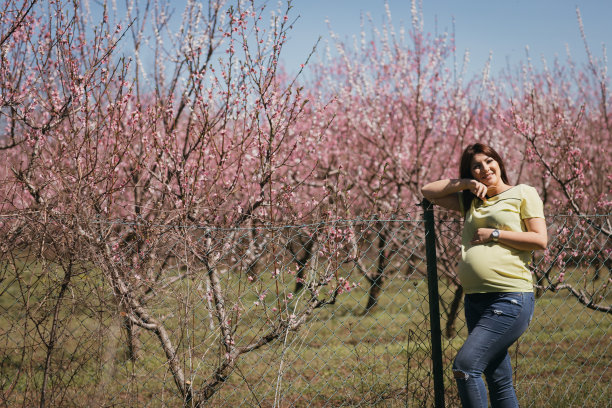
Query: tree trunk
x=376 y=281
x=133 y=341
x=302 y=261
x=451 y=319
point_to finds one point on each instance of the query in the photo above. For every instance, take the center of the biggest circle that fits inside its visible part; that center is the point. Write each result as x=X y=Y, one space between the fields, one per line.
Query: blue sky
x=503 y=27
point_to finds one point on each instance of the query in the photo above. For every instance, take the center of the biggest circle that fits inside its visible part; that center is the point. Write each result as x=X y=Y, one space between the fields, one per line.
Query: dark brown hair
x=465 y=168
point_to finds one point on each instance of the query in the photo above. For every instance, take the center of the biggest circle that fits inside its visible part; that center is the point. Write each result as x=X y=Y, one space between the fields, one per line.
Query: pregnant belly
x=487 y=264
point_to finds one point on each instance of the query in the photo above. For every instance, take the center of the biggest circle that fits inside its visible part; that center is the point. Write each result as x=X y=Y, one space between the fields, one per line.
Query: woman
x=503 y=224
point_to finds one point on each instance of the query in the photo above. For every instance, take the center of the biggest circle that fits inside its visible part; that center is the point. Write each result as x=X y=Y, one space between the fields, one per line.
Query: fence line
x=113 y=313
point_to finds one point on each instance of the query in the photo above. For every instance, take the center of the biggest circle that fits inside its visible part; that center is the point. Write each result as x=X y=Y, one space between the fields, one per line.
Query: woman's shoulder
x=526 y=189
x=517 y=191
x=529 y=196
x=531 y=202
x=522 y=192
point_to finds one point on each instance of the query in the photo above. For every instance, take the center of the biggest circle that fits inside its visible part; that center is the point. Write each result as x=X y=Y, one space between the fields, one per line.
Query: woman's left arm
x=534 y=238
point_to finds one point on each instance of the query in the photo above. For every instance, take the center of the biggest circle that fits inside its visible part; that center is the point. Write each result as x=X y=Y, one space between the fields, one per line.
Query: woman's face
x=486 y=170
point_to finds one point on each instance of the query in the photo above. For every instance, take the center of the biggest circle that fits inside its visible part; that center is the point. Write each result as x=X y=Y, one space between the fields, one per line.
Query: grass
x=342 y=357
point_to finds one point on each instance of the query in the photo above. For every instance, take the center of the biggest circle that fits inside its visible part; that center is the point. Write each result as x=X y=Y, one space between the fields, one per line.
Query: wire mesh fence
x=115 y=313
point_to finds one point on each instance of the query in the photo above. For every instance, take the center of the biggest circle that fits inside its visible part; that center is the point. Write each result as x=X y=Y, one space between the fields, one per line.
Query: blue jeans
x=494 y=321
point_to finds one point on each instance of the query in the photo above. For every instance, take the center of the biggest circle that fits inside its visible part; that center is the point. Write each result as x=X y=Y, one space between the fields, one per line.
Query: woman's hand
x=478 y=189
x=481 y=236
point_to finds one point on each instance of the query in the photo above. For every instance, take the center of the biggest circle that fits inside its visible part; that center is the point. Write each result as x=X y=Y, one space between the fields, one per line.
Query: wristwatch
x=495 y=235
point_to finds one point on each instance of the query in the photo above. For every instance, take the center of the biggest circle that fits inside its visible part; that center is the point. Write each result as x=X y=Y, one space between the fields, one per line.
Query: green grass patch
x=341 y=357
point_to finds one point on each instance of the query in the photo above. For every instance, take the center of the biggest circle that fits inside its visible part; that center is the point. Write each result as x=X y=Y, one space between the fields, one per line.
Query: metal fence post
x=434 y=307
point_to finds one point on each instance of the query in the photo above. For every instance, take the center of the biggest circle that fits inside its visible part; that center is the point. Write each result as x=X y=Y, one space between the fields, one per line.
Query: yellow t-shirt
x=495 y=267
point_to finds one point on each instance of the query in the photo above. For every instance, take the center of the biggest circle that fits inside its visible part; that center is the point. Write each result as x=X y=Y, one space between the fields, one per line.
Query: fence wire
x=115 y=313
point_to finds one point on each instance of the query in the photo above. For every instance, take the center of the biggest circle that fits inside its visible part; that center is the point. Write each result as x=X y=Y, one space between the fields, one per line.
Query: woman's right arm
x=444 y=192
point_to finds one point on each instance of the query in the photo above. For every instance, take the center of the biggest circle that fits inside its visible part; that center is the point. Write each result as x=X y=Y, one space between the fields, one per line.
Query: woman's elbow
x=541 y=246
x=427 y=193
x=541 y=243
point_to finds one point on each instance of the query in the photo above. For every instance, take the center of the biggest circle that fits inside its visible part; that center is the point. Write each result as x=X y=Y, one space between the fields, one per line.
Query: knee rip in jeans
x=460 y=375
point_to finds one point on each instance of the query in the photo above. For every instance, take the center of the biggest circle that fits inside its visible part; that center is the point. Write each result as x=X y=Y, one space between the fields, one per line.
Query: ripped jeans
x=494 y=321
